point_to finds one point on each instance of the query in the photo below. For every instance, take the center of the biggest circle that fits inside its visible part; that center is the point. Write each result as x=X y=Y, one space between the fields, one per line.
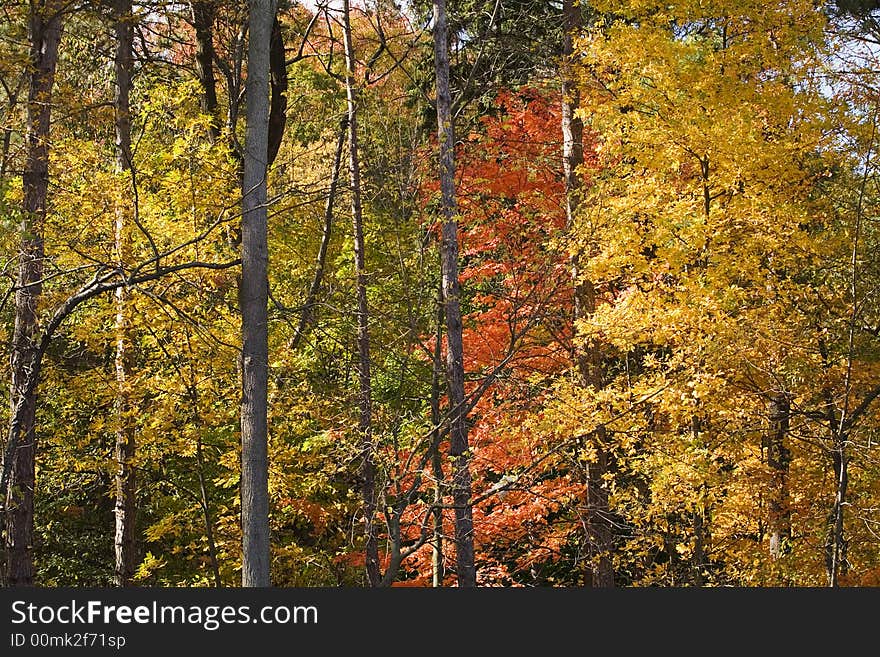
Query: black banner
x=406 y=620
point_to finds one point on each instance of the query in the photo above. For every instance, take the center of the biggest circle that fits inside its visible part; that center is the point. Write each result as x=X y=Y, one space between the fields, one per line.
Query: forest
x=460 y=293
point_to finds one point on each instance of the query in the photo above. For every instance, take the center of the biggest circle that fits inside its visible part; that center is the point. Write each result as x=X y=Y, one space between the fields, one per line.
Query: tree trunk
x=778 y=458
x=458 y=430
x=126 y=484
x=599 y=529
x=365 y=427
x=437 y=564
x=204 y=501
x=835 y=543
x=278 y=85
x=11 y=104
x=44 y=28
x=254 y=295
x=701 y=534
x=308 y=306
x=699 y=558
x=203 y=23
x=206 y=513
x=572 y=126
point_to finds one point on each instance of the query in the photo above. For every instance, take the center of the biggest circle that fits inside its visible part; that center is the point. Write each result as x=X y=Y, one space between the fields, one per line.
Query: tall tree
x=600 y=568
x=365 y=425
x=458 y=428
x=44 y=32
x=126 y=480
x=254 y=295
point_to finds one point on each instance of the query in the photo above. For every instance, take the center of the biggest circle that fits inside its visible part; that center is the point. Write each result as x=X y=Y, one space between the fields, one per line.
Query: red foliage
x=517 y=286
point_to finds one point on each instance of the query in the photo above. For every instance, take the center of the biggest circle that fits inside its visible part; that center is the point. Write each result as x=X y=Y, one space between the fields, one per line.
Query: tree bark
x=778 y=459
x=203 y=23
x=835 y=543
x=365 y=426
x=254 y=295
x=278 y=86
x=599 y=531
x=700 y=518
x=458 y=430
x=437 y=565
x=125 y=447
x=44 y=27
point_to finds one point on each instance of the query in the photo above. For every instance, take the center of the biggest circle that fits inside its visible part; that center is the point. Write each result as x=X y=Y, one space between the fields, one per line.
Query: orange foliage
x=511 y=201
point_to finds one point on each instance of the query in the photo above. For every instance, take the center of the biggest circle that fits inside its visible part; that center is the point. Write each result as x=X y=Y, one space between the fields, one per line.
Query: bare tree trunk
x=599 y=529
x=437 y=565
x=572 y=126
x=365 y=426
x=778 y=458
x=278 y=87
x=458 y=430
x=11 y=103
x=206 y=513
x=308 y=307
x=698 y=560
x=203 y=23
x=44 y=28
x=254 y=305
x=126 y=482
x=835 y=543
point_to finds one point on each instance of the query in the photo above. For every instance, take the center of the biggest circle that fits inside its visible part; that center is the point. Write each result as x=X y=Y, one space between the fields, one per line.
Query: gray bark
x=125 y=447
x=836 y=544
x=437 y=564
x=365 y=425
x=44 y=27
x=254 y=294
x=458 y=430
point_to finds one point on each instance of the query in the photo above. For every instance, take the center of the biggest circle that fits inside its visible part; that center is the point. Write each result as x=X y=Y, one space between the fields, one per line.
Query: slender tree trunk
x=572 y=126
x=44 y=27
x=465 y=566
x=437 y=565
x=308 y=307
x=778 y=458
x=599 y=529
x=836 y=544
x=206 y=513
x=204 y=501
x=278 y=87
x=254 y=295
x=11 y=103
x=125 y=448
x=698 y=560
x=203 y=23
x=365 y=425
